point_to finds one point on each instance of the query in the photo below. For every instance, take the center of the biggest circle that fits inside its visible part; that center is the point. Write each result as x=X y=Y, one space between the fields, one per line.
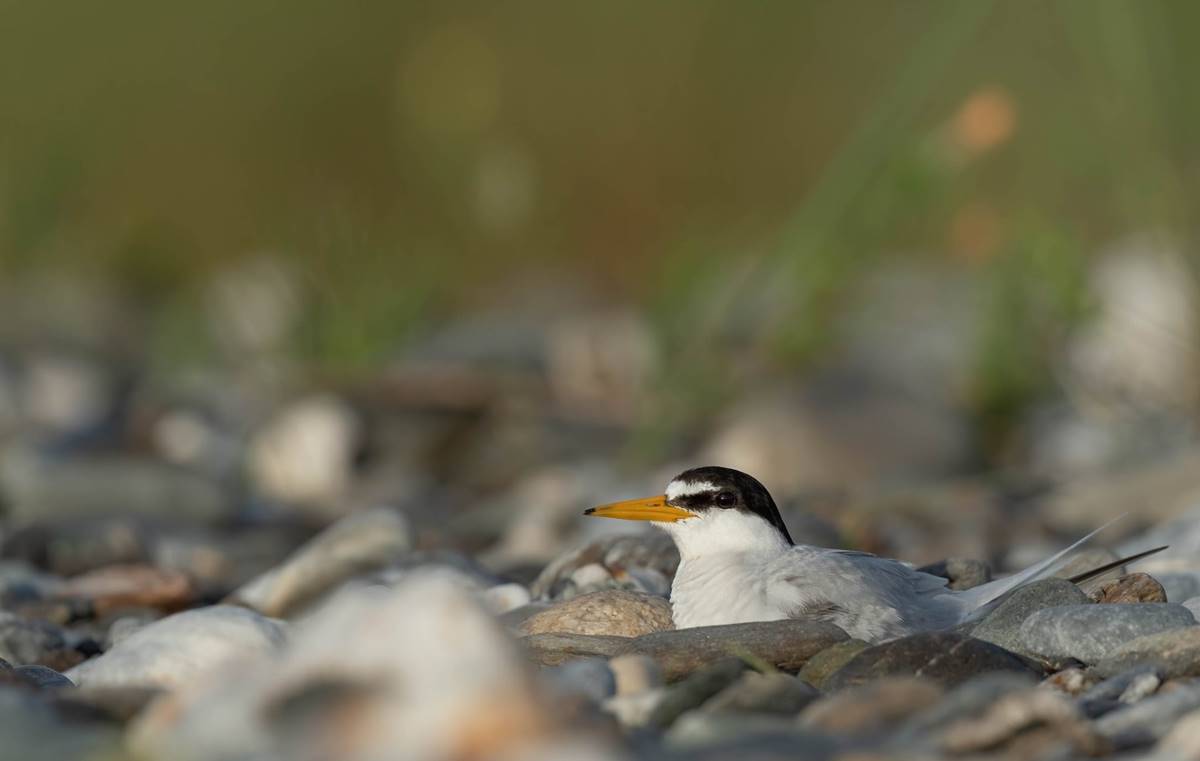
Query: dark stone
x=827 y=662
x=1002 y=626
x=553 y=649
x=1147 y=721
x=755 y=693
x=784 y=645
x=942 y=657
x=42 y=677
x=694 y=689
x=587 y=677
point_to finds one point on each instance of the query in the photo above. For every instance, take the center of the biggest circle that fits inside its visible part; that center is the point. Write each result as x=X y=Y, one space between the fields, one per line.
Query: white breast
x=727 y=588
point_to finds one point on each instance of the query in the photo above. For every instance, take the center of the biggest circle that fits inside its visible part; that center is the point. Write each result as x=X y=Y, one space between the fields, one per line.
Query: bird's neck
x=724 y=533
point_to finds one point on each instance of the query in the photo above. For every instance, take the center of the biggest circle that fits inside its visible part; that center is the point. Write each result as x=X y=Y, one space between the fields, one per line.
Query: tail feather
x=982 y=596
x=1079 y=578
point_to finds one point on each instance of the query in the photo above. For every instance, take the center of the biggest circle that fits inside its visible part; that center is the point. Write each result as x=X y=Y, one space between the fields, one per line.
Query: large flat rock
x=785 y=645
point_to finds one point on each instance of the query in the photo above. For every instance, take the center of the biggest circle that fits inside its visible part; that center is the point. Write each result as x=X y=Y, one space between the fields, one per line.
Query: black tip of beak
x=589 y=511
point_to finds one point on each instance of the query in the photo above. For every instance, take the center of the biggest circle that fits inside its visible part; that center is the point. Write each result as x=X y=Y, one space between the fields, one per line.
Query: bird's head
x=709 y=509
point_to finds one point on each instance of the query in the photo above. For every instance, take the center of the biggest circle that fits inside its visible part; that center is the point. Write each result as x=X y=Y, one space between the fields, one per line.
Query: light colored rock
x=612 y=612
x=635 y=673
x=357 y=544
x=418 y=671
x=1140 y=346
x=504 y=598
x=304 y=456
x=182 y=649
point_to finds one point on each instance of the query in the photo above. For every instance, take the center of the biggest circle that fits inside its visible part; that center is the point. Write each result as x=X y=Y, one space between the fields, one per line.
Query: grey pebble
x=1092 y=632
x=1003 y=625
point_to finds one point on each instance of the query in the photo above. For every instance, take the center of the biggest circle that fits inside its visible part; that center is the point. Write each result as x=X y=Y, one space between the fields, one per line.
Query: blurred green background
x=736 y=173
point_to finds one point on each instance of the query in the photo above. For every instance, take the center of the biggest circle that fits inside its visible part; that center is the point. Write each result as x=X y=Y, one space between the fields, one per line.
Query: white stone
x=305 y=455
x=182 y=649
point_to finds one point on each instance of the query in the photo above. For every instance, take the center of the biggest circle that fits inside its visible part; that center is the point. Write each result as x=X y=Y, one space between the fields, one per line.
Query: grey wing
x=870 y=597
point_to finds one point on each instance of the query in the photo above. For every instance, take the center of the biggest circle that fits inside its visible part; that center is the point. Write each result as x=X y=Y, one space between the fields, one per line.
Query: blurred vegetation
x=413 y=160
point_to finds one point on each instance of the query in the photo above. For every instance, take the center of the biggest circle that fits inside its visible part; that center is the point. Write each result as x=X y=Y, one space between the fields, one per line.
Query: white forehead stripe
x=677 y=489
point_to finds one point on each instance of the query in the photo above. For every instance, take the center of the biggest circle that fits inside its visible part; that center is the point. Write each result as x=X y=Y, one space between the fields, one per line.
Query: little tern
x=737 y=563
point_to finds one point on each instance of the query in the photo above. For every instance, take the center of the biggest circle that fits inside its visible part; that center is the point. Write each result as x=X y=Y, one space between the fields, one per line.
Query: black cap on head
x=728 y=489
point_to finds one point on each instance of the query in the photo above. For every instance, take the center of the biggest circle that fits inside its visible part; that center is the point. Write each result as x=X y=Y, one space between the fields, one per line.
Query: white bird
x=737 y=563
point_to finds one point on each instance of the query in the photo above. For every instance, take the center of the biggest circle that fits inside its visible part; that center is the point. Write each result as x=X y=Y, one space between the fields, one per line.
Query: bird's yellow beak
x=646 y=509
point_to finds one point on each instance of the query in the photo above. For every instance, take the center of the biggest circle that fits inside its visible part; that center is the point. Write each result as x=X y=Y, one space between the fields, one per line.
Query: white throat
x=721 y=532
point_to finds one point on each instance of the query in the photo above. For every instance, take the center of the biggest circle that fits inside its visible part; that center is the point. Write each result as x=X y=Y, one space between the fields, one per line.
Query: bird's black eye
x=725 y=499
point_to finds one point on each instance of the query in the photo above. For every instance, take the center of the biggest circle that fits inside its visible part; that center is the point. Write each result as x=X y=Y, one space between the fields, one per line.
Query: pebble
x=784 y=645
x=42 y=677
x=357 y=544
x=362 y=677
x=1092 y=632
x=590 y=677
x=1176 y=653
x=827 y=662
x=635 y=674
x=1002 y=626
x=130 y=586
x=1128 y=687
x=962 y=573
x=694 y=689
x=638 y=562
x=871 y=708
x=38 y=642
x=758 y=693
x=304 y=455
x=505 y=598
x=182 y=648
x=1147 y=721
x=612 y=612
x=1136 y=587
x=1029 y=723
x=942 y=657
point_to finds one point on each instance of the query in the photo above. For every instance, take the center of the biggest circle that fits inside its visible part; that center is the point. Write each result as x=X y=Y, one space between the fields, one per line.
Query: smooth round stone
x=1093 y=632
x=504 y=598
x=590 y=677
x=946 y=658
x=181 y=648
x=1176 y=653
x=1003 y=625
x=612 y=612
